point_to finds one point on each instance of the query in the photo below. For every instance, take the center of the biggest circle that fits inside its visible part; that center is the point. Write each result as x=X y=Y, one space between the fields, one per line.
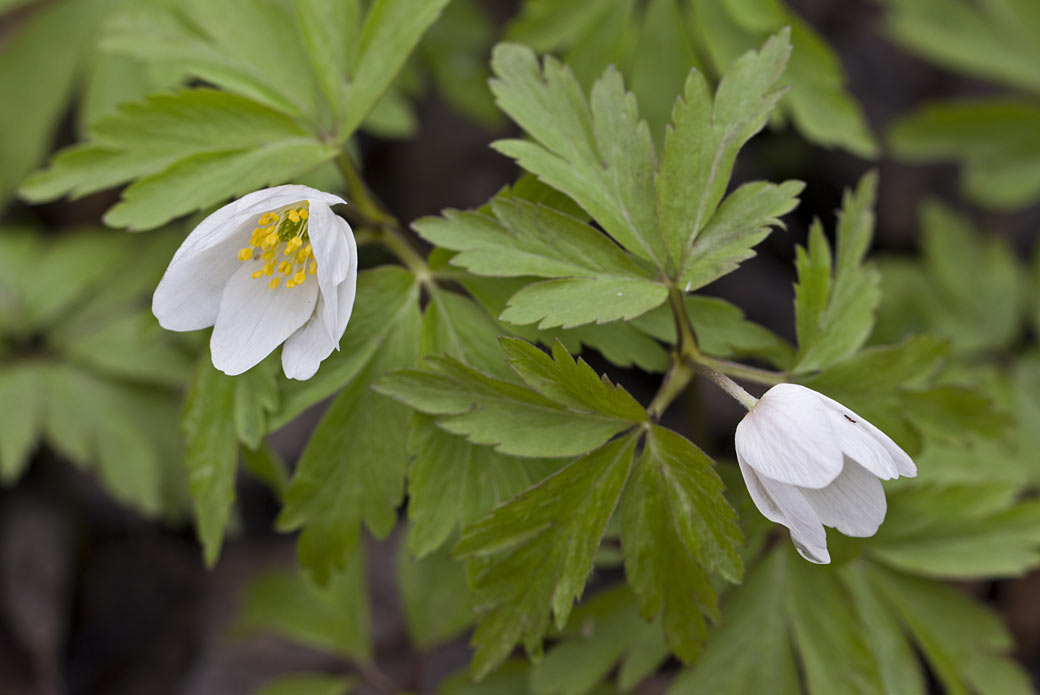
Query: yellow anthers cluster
x=288 y=226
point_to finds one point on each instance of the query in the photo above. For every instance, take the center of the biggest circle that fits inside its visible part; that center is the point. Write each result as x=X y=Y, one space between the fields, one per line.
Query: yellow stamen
x=271 y=240
x=269 y=268
x=314 y=267
x=294 y=216
x=267 y=255
x=245 y=254
x=308 y=251
x=268 y=218
x=274 y=283
x=299 y=278
x=283 y=266
x=258 y=274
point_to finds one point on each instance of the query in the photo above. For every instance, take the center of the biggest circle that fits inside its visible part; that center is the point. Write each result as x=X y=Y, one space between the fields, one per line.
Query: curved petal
x=305 y=349
x=903 y=464
x=253 y=320
x=788 y=437
x=332 y=256
x=188 y=295
x=785 y=504
x=854 y=503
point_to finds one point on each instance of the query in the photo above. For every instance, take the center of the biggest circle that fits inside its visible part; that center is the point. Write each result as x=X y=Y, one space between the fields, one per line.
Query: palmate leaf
x=676 y=527
x=535 y=552
x=819 y=105
x=501 y=413
x=835 y=300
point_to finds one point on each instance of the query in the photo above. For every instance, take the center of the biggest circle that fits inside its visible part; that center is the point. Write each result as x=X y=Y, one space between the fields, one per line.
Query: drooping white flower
x=275 y=266
x=808 y=461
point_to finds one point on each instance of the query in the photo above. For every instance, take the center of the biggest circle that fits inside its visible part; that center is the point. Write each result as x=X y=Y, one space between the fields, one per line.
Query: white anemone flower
x=275 y=266
x=809 y=462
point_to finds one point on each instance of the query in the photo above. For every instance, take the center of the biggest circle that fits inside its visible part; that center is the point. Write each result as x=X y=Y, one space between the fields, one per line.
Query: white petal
x=858 y=445
x=188 y=295
x=904 y=465
x=788 y=437
x=785 y=504
x=254 y=320
x=305 y=349
x=333 y=257
x=854 y=503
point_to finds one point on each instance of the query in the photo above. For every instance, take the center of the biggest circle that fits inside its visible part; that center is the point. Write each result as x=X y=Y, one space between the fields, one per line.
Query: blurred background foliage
x=106 y=420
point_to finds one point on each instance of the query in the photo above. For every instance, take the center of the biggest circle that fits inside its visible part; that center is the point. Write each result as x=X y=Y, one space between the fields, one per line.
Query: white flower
x=808 y=461
x=276 y=266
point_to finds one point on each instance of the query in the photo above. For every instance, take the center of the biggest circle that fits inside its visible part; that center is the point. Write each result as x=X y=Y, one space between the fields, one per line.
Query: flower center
x=284 y=229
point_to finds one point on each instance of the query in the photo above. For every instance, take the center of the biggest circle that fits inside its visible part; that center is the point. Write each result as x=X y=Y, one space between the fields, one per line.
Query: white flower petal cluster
x=275 y=266
x=809 y=462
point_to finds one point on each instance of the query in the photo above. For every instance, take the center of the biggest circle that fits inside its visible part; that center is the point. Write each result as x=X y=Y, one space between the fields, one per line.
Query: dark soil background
x=96 y=600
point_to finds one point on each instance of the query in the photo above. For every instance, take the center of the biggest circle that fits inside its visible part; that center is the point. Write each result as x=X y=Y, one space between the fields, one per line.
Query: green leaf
x=677 y=527
x=457 y=326
x=620 y=342
x=706 y=134
x=184 y=152
x=576 y=301
x=824 y=623
x=818 y=104
x=256 y=394
x=742 y=220
x=994 y=40
x=961 y=640
x=454 y=483
x=596 y=151
x=204 y=180
x=751 y=651
x=937 y=533
x=898 y=665
x=353 y=467
x=569 y=382
x=308 y=684
x=490 y=411
x=527 y=239
x=40 y=63
x=212 y=453
x=996 y=141
x=536 y=551
x=329 y=30
x=250 y=48
x=509 y=679
x=834 y=308
x=391 y=30
x=332 y=618
x=604 y=630
x=22 y=411
x=437 y=602
x=387 y=297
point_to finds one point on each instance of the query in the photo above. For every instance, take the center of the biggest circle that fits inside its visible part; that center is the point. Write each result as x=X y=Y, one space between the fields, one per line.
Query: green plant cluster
x=539 y=504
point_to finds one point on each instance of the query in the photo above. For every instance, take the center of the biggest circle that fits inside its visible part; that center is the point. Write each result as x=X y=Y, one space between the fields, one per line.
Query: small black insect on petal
x=849 y=419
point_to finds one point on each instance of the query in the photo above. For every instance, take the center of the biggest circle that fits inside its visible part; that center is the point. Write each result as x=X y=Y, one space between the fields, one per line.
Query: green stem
x=389 y=229
x=728 y=385
x=687 y=342
x=675 y=382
